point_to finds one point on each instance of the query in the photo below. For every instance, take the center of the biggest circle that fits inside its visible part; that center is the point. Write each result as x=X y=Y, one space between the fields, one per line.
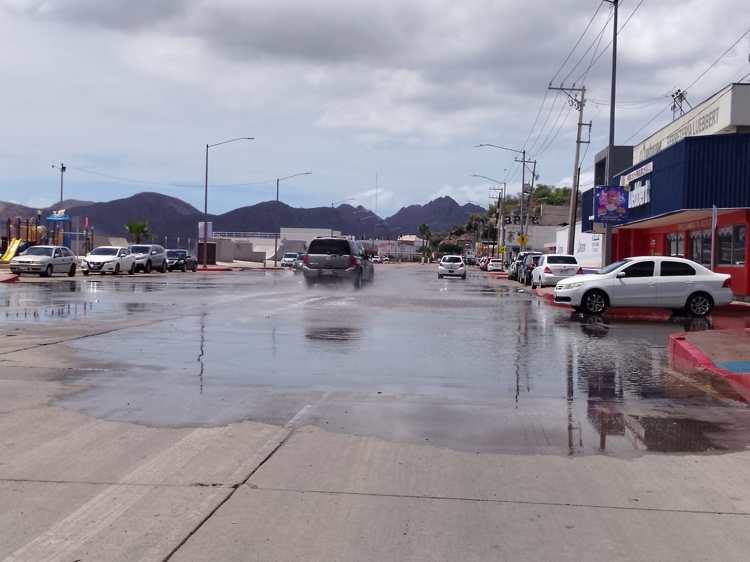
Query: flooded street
x=476 y=366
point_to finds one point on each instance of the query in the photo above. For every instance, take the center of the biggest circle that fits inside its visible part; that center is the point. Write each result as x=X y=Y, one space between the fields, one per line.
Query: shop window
x=700 y=246
x=676 y=268
x=732 y=245
x=676 y=244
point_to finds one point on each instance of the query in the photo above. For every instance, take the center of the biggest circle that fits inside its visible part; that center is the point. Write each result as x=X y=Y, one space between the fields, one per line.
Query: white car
x=289 y=259
x=108 y=259
x=452 y=266
x=495 y=264
x=376 y=259
x=386 y=259
x=149 y=257
x=648 y=281
x=553 y=268
x=45 y=260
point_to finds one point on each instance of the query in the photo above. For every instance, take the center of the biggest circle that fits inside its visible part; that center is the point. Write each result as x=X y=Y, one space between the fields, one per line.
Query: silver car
x=45 y=260
x=336 y=259
x=149 y=257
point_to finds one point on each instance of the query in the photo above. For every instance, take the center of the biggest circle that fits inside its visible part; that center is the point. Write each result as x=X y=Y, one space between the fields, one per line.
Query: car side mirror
x=154 y=252
x=621 y=274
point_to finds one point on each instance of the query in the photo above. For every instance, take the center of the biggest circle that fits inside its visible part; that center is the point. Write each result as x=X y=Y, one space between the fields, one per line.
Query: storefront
x=671 y=196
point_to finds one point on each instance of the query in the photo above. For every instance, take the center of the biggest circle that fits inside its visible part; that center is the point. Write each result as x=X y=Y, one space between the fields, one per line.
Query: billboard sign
x=610 y=204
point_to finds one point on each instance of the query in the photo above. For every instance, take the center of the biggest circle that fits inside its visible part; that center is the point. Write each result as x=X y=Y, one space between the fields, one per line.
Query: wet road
x=476 y=365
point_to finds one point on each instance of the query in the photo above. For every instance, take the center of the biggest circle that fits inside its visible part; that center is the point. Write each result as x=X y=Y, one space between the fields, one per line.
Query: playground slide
x=12 y=249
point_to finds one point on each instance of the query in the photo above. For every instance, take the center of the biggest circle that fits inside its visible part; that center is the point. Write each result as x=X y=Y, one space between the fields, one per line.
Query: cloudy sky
x=127 y=94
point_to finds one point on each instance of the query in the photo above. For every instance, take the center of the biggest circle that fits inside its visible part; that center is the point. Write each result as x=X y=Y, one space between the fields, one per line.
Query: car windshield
x=562 y=259
x=611 y=267
x=451 y=259
x=176 y=254
x=38 y=251
x=104 y=251
x=329 y=247
x=140 y=249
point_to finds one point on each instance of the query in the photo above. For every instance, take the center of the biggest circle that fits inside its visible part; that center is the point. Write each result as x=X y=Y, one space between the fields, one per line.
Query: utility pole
x=523 y=161
x=62 y=169
x=579 y=104
x=607 y=257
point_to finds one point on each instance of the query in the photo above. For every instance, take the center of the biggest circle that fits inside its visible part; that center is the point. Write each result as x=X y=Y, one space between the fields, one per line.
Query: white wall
x=588 y=247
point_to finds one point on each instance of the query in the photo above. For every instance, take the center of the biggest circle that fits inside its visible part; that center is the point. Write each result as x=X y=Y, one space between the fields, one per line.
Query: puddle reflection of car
x=181 y=260
x=452 y=266
x=108 y=259
x=337 y=259
x=45 y=260
x=649 y=282
x=288 y=259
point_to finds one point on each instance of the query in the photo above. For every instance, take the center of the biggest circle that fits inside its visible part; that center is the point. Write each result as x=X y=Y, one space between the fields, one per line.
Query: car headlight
x=569 y=286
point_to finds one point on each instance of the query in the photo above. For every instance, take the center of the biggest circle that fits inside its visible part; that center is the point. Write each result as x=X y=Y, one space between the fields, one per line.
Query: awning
x=677 y=217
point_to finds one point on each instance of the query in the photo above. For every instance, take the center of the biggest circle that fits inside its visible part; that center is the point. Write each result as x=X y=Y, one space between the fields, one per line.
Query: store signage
x=635 y=174
x=724 y=110
x=610 y=204
x=639 y=195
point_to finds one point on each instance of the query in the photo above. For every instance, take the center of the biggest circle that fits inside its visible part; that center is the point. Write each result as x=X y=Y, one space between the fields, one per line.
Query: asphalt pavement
x=226 y=416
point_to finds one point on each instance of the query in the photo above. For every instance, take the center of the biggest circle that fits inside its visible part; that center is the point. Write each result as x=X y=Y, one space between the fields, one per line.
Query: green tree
x=138 y=229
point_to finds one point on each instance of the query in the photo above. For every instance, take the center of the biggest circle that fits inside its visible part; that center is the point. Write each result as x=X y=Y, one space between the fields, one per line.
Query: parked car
x=515 y=267
x=385 y=259
x=333 y=258
x=452 y=266
x=495 y=264
x=108 y=259
x=648 y=281
x=181 y=260
x=288 y=259
x=298 y=262
x=148 y=257
x=553 y=268
x=45 y=260
x=376 y=259
x=528 y=265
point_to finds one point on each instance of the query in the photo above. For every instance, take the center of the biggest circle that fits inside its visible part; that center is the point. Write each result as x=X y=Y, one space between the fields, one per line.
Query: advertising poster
x=610 y=204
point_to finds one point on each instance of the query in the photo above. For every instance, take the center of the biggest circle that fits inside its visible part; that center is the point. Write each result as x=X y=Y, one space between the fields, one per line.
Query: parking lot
x=208 y=415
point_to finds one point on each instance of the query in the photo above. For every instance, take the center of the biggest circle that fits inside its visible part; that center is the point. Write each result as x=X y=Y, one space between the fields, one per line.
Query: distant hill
x=173 y=217
x=439 y=214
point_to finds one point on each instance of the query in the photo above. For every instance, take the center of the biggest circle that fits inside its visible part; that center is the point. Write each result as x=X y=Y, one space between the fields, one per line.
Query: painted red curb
x=689 y=358
x=8 y=278
x=214 y=269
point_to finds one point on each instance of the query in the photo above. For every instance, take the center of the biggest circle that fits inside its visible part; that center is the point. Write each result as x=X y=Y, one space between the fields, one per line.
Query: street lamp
x=522 y=152
x=62 y=169
x=205 y=198
x=276 y=238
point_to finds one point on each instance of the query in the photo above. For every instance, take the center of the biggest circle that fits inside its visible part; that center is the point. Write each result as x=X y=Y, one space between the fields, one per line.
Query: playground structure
x=21 y=233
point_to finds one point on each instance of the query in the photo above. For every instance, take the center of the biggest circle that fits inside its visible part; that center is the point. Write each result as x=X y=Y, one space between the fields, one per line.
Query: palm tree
x=138 y=229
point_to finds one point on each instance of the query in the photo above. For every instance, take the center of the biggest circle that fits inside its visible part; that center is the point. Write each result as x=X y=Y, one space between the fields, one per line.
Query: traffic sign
x=502 y=249
x=522 y=239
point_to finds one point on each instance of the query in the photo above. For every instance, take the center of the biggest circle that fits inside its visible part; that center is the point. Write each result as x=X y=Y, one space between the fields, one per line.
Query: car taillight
x=306 y=259
x=547 y=269
x=353 y=261
x=580 y=271
x=727 y=283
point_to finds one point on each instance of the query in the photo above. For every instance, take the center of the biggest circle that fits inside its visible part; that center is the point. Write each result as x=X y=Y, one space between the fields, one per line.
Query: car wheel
x=595 y=302
x=440 y=276
x=117 y=270
x=131 y=271
x=147 y=269
x=47 y=272
x=85 y=273
x=184 y=268
x=309 y=282
x=699 y=305
x=358 y=281
x=72 y=272
x=463 y=277
x=164 y=267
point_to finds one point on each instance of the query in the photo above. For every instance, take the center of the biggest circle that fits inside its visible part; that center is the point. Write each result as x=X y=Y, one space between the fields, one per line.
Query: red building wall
x=653 y=241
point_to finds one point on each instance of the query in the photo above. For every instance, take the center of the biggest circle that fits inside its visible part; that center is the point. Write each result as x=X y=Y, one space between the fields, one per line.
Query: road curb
x=8 y=277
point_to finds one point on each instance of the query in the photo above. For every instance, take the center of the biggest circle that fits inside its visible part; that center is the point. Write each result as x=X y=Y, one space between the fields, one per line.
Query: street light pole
x=62 y=172
x=205 y=198
x=276 y=236
x=611 y=146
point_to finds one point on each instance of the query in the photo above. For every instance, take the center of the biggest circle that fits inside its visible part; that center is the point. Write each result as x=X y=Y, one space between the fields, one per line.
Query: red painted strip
x=8 y=278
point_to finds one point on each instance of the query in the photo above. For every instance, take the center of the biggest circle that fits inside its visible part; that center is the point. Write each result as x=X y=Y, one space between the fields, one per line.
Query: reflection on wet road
x=475 y=365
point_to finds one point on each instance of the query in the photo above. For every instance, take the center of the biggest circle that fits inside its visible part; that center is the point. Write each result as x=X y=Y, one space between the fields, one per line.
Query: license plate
x=450 y=271
x=327 y=272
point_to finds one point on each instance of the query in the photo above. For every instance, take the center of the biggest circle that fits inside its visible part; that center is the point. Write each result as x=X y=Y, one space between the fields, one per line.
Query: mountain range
x=170 y=216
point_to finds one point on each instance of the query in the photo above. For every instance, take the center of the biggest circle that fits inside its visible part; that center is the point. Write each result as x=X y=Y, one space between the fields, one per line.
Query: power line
x=596 y=41
x=583 y=34
x=710 y=66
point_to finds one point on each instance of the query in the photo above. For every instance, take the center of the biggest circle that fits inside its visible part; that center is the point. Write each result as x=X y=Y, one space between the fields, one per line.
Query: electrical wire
x=583 y=34
x=721 y=56
x=596 y=42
